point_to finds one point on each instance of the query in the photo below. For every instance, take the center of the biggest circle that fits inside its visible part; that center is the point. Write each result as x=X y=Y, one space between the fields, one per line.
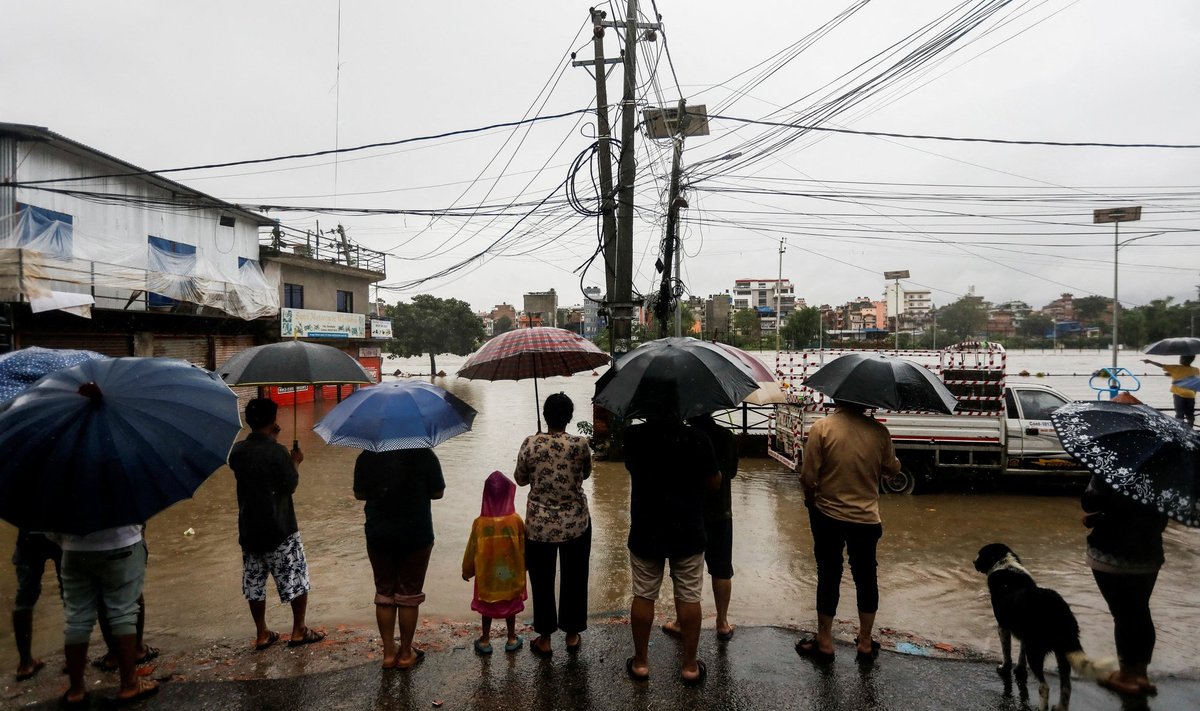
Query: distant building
x=756 y=293
x=541 y=306
x=591 y=311
x=1061 y=309
x=714 y=324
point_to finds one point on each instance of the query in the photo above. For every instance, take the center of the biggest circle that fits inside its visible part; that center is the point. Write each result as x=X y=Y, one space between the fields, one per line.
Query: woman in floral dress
x=558 y=527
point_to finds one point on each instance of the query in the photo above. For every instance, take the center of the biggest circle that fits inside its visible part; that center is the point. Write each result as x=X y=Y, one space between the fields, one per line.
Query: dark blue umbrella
x=400 y=415
x=20 y=369
x=111 y=442
x=1138 y=451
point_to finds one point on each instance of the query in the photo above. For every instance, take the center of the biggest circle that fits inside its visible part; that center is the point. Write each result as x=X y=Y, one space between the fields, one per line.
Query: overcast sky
x=176 y=84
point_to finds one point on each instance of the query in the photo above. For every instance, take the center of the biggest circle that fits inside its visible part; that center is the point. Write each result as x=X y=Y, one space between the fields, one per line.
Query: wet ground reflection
x=928 y=585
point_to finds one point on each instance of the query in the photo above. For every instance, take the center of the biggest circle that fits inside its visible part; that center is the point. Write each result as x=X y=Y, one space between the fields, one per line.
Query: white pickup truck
x=997 y=428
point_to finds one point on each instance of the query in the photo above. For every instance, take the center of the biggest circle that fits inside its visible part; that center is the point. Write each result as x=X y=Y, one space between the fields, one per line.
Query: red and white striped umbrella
x=538 y=352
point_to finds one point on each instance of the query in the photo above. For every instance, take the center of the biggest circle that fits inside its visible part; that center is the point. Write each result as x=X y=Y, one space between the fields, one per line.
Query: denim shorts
x=114 y=577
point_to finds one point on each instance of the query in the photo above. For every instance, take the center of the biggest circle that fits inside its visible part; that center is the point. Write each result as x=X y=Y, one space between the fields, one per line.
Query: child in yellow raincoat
x=495 y=557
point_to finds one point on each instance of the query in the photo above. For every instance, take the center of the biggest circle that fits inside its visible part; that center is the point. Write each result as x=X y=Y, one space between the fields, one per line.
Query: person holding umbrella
x=846 y=456
x=268 y=533
x=558 y=525
x=1184 y=399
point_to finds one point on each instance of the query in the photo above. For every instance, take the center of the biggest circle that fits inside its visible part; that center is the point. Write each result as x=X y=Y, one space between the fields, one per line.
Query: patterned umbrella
x=1138 y=451
x=20 y=369
x=769 y=392
x=538 y=352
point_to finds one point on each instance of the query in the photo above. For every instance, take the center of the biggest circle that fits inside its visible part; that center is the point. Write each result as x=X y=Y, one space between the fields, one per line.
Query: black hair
x=260 y=412
x=1186 y=360
x=558 y=410
x=852 y=406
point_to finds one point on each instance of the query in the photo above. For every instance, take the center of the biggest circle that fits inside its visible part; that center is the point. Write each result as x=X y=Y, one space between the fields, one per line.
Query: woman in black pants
x=558 y=528
x=1125 y=552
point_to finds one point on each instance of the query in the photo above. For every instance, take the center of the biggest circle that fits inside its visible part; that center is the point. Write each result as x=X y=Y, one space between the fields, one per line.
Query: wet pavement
x=756 y=670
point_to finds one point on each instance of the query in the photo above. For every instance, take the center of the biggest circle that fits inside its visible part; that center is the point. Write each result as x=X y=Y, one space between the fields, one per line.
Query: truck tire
x=909 y=480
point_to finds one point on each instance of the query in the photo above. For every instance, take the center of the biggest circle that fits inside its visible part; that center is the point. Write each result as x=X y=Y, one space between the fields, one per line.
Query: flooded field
x=927 y=582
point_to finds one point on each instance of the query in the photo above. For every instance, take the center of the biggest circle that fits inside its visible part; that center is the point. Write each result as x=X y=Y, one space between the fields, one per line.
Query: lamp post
x=1116 y=215
x=896 y=276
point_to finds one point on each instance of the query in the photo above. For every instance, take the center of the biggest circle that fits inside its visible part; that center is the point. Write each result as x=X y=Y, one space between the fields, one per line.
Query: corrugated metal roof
x=27 y=132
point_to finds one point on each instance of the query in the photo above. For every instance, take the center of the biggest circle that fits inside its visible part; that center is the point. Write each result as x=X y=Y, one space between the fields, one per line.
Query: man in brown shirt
x=844 y=458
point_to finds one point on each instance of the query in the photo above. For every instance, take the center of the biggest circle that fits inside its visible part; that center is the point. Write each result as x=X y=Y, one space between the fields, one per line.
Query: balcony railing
x=331 y=249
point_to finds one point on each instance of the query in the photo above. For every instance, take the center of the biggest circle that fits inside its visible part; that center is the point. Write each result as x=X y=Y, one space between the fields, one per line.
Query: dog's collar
x=1008 y=562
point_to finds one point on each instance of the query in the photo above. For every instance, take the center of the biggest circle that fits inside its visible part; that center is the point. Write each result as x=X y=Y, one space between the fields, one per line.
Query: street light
x=896 y=276
x=1116 y=215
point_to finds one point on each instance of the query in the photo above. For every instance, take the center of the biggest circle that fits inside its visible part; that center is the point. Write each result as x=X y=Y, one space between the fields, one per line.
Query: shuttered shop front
x=115 y=345
x=226 y=347
x=193 y=349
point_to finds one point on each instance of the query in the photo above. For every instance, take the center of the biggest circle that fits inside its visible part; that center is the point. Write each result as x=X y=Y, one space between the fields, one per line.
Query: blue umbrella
x=400 y=415
x=20 y=369
x=111 y=442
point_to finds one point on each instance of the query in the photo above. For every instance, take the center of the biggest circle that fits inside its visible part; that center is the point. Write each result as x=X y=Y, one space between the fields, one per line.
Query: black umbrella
x=675 y=377
x=1174 y=346
x=293 y=363
x=874 y=380
x=1138 y=451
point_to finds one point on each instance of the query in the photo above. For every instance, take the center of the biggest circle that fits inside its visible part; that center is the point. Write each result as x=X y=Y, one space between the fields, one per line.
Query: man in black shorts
x=29 y=559
x=718 y=525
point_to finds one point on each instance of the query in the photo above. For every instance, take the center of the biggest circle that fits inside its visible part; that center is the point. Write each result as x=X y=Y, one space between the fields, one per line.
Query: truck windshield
x=1037 y=404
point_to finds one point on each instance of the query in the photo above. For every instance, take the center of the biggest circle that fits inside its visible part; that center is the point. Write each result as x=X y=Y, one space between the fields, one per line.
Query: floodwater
x=927 y=582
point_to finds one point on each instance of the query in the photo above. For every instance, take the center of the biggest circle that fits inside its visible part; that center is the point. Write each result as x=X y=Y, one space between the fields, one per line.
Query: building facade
x=591 y=312
x=758 y=293
x=541 y=307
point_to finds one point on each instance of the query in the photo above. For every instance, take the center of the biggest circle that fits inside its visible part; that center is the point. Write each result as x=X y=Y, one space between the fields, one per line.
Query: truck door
x=1031 y=437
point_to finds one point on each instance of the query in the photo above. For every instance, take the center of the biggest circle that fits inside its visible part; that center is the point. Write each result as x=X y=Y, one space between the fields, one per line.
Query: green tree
x=503 y=324
x=1036 y=326
x=746 y=322
x=963 y=319
x=800 y=327
x=1089 y=309
x=433 y=325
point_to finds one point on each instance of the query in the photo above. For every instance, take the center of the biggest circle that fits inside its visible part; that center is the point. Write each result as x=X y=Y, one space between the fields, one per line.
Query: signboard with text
x=307 y=323
x=381 y=328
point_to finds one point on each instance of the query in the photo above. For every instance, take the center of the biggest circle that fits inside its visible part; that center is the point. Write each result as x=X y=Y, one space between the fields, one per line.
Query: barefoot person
x=718 y=525
x=846 y=455
x=1125 y=552
x=32 y=552
x=267 y=476
x=398 y=488
x=671 y=466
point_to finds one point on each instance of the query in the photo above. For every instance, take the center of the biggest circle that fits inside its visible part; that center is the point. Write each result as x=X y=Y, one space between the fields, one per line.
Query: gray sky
x=172 y=84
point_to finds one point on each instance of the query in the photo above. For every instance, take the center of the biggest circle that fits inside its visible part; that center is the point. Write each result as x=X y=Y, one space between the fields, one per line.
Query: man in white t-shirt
x=108 y=565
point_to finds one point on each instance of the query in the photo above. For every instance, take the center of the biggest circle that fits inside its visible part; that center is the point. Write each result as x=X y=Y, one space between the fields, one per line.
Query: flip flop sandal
x=272 y=638
x=420 y=658
x=699 y=678
x=145 y=690
x=150 y=655
x=514 y=645
x=104 y=665
x=861 y=656
x=33 y=670
x=81 y=703
x=671 y=632
x=632 y=674
x=483 y=648
x=726 y=636
x=575 y=647
x=808 y=648
x=310 y=637
x=543 y=653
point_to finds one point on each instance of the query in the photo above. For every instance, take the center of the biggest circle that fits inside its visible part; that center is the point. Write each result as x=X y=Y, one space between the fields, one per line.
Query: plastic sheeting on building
x=40 y=256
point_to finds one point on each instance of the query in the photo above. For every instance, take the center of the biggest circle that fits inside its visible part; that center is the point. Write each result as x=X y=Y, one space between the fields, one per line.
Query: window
x=293 y=296
x=171 y=257
x=1037 y=404
x=45 y=231
x=345 y=301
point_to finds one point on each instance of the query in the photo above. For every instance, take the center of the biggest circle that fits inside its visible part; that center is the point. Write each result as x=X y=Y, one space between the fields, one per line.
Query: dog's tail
x=1088 y=668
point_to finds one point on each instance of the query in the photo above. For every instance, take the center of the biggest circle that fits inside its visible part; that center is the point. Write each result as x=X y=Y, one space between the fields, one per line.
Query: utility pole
x=779 y=299
x=622 y=309
x=608 y=228
x=662 y=307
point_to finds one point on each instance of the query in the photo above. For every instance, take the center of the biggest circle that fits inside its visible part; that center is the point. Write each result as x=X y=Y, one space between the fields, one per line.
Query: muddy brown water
x=193 y=586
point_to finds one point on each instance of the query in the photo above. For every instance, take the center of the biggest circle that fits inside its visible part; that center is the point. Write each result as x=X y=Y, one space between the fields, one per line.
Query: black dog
x=1039 y=618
